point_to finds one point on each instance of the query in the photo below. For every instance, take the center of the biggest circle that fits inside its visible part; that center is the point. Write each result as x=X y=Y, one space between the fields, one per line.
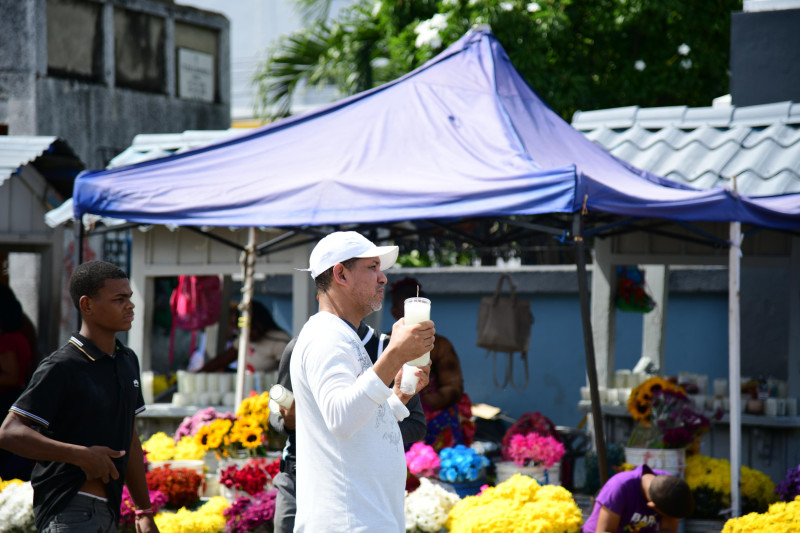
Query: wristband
x=143 y=512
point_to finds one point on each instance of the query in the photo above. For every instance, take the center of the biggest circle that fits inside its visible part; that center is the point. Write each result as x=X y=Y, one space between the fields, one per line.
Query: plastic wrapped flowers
x=460 y=464
x=518 y=505
x=426 y=508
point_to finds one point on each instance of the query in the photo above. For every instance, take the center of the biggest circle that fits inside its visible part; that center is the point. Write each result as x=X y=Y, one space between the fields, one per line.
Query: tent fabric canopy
x=461 y=136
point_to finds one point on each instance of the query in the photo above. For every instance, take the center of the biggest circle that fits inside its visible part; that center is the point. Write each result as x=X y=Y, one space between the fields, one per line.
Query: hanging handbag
x=504 y=325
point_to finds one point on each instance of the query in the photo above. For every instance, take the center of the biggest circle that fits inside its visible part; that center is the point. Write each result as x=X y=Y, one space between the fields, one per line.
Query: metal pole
x=248 y=270
x=734 y=364
x=588 y=343
x=79 y=236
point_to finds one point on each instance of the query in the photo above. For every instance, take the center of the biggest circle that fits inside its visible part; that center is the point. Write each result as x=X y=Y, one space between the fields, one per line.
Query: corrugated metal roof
x=17 y=151
x=144 y=147
x=707 y=146
x=147 y=146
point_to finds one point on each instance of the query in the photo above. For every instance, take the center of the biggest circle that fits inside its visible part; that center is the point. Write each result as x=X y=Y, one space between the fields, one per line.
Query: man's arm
x=607 y=521
x=277 y=419
x=17 y=437
x=668 y=524
x=413 y=427
x=137 y=486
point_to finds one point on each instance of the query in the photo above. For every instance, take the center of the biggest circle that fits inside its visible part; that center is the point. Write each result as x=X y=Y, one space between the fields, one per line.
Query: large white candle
x=418 y=310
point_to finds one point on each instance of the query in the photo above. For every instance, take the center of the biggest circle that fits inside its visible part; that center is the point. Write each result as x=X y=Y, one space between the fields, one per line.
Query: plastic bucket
x=545 y=476
x=672 y=461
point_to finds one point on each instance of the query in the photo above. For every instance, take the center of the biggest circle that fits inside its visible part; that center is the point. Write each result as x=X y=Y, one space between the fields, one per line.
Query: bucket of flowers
x=247 y=480
x=710 y=481
x=533 y=455
x=462 y=470
x=789 y=488
x=239 y=438
x=668 y=426
x=180 y=486
x=518 y=504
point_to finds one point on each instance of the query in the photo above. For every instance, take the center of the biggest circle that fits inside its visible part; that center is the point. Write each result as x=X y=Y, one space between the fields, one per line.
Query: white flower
x=377 y=8
x=506 y=6
x=533 y=7
x=640 y=65
x=379 y=62
x=428 y=31
x=686 y=63
x=684 y=49
x=16 y=507
x=427 y=507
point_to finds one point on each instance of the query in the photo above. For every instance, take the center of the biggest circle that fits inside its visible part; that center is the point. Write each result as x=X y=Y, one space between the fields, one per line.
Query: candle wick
x=417 y=291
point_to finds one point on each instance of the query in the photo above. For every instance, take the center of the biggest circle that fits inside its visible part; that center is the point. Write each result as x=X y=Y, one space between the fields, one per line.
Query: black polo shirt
x=82 y=396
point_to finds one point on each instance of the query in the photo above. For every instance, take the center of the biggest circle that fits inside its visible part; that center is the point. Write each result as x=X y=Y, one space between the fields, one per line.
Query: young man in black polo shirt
x=76 y=418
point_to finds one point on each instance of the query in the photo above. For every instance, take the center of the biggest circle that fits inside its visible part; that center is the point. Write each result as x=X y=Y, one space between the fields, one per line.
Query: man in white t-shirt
x=350 y=460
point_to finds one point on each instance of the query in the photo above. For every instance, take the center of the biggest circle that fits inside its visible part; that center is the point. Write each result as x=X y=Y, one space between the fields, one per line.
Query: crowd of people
x=343 y=467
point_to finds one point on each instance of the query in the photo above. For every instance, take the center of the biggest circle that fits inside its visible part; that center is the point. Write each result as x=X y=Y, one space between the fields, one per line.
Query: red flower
x=180 y=485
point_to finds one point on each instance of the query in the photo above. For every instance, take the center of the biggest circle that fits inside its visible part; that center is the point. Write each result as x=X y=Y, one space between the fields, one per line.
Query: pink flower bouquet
x=422 y=460
x=534 y=449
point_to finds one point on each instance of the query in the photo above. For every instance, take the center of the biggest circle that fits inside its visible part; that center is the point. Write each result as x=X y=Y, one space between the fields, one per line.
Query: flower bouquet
x=519 y=504
x=710 y=481
x=780 y=516
x=427 y=507
x=461 y=464
x=16 y=507
x=534 y=449
x=253 y=514
x=181 y=486
x=244 y=436
x=191 y=424
x=209 y=518
x=251 y=478
x=422 y=460
x=789 y=488
x=666 y=417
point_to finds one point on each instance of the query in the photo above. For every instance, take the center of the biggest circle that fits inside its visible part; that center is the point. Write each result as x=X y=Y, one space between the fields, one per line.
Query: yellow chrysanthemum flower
x=781 y=516
x=207 y=519
x=8 y=483
x=159 y=447
x=519 y=504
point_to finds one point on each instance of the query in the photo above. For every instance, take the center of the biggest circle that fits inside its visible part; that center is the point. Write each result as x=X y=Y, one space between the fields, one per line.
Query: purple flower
x=248 y=514
x=789 y=488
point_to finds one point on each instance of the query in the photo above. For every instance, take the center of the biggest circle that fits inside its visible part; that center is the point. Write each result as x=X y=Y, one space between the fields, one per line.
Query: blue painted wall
x=697 y=338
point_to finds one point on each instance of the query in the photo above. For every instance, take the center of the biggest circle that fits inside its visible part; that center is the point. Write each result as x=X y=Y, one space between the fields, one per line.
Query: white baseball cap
x=343 y=245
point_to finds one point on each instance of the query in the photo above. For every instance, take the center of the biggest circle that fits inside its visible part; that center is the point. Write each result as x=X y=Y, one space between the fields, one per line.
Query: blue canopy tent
x=461 y=136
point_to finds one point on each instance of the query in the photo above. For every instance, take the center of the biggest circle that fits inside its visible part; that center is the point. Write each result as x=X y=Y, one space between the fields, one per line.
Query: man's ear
x=338 y=273
x=85 y=304
x=651 y=505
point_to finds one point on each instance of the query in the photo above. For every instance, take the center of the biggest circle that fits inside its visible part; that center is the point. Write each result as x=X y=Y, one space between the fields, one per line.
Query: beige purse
x=504 y=325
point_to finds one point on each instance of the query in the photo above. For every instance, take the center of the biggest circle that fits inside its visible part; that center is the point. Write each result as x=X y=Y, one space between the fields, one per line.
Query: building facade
x=98 y=72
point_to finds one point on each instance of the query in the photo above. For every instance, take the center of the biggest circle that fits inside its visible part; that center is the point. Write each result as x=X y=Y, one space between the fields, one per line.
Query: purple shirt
x=623 y=495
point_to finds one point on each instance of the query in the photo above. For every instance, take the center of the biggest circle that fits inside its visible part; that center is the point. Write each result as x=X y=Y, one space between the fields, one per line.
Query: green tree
x=576 y=54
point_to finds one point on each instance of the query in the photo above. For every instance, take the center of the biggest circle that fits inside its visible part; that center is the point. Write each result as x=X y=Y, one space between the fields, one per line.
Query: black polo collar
x=89 y=349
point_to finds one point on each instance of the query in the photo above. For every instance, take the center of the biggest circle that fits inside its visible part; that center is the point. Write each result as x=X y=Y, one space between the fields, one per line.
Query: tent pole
x=588 y=343
x=734 y=363
x=248 y=270
x=79 y=237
